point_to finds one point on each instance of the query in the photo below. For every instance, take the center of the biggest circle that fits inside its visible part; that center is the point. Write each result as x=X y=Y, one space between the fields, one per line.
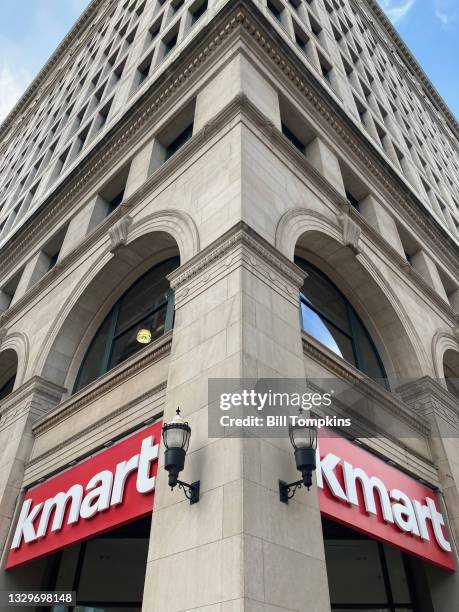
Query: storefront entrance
x=367 y=575
x=107 y=572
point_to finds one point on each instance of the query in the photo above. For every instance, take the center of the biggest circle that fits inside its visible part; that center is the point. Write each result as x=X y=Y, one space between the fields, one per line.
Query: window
x=178 y=142
x=325 y=68
x=198 y=11
x=8 y=291
x=328 y=317
x=170 y=42
x=275 y=10
x=148 y=304
x=293 y=139
x=52 y=249
x=352 y=200
x=144 y=69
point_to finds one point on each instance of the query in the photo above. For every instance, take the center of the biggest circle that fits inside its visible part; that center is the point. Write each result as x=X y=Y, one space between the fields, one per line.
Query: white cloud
x=397 y=9
x=446 y=11
x=23 y=53
x=12 y=86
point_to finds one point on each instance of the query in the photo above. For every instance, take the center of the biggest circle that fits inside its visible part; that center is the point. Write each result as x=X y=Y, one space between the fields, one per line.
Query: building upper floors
x=118 y=50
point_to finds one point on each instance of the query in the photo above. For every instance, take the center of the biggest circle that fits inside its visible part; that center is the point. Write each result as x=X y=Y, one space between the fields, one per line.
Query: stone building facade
x=250 y=146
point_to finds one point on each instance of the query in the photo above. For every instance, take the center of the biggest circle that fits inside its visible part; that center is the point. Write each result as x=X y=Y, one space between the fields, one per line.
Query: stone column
x=239 y=548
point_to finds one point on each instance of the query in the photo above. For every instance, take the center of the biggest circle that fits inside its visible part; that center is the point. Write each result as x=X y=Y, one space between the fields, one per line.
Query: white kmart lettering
x=409 y=515
x=103 y=490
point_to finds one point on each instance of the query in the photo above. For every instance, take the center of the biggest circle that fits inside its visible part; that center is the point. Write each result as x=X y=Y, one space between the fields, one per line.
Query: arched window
x=328 y=317
x=147 y=305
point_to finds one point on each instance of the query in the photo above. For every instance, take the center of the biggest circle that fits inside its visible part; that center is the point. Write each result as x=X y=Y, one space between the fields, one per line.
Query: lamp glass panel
x=176 y=437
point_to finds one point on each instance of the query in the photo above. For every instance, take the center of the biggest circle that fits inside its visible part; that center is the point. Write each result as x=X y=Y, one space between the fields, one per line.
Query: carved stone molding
x=241 y=245
x=113 y=416
x=119 y=233
x=351 y=232
x=33 y=399
x=432 y=400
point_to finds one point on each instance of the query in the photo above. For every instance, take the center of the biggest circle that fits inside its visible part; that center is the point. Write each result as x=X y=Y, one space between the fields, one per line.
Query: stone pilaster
x=19 y=411
x=427 y=397
x=239 y=548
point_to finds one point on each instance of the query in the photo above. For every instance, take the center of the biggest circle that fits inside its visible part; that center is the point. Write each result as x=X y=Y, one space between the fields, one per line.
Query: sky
x=30 y=30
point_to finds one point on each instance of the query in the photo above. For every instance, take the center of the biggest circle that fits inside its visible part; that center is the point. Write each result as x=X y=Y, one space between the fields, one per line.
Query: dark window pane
x=150 y=294
x=117 y=582
x=355 y=574
x=397 y=575
x=179 y=142
x=144 y=305
x=92 y=366
x=144 y=296
x=126 y=344
x=368 y=358
x=327 y=334
x=7 y=387
x=325 y=298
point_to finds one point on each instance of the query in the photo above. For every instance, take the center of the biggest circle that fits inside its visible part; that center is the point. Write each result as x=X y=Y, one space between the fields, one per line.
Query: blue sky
x=30 y=30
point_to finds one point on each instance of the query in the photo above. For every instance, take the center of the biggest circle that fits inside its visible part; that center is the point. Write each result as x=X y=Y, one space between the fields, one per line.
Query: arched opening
x=141 y=315
x=451 y=371
x=329 y=317
x=98 y=327
x=8 y=370
x=387 y=341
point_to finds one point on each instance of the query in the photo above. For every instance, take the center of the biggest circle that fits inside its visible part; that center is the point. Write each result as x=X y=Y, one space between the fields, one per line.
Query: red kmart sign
x=363 y=492
x=111 y=488
x=117 y=486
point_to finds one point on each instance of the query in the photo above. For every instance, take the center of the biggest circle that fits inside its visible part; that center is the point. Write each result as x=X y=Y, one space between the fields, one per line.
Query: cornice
x=122 y=136
x=34 y=386
x=153 y=353
x=411 y=62
x=113 y=416
x=370 y=388
x=38 y=85
x=239 y=235
x=433 y=398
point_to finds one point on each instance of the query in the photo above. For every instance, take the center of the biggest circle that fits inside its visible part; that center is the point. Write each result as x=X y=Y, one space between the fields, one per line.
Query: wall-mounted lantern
x=304 y=441
x=176 y=438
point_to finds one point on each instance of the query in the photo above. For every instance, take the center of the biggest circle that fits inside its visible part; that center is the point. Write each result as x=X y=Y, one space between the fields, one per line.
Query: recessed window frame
x=112 y=319
x=353 y=319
